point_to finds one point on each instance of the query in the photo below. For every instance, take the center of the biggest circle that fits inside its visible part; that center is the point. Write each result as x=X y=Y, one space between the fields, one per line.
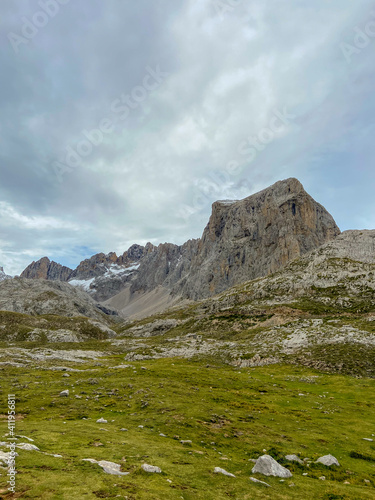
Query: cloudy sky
x=122 y=121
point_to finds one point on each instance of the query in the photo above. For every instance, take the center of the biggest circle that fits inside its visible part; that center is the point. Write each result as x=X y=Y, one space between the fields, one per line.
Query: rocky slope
x=338 y=275
x=49 y=297
x=243 y=240
x=318 y=311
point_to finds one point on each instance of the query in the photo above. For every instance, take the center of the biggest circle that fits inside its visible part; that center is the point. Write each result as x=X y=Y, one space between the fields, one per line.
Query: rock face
x=47 y=270
x=256 y=236
x=243 y=240
x=347 y=262
x=47 y=297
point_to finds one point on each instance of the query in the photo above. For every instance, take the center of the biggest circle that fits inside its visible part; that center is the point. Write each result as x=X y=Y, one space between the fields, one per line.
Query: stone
x=151 y=468
x=4 y=457
x=102 y=420
x=111 y=468
x=368 y=439
x=268 y=466
x=28 y=446
x=219 y=470
x=108 y=467
x=64 y=393
x=254 y=480
x=328 y=460
x=293 y=458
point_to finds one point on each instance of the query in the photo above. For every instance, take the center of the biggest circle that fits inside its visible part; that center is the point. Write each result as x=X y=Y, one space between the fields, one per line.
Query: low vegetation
x=230 y=416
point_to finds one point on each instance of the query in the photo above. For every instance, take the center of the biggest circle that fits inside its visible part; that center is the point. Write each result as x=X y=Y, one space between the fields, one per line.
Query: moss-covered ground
x=230 y=415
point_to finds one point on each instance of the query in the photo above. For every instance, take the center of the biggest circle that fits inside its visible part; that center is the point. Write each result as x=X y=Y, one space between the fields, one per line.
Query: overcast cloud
x=226 y=97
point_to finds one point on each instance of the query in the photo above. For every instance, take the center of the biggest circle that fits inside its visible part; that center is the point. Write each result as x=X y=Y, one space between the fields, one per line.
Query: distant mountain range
x=243 y=240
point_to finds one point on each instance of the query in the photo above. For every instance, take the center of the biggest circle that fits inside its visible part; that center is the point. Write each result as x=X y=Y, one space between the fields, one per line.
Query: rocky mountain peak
x=47 y=270
x=255 y=236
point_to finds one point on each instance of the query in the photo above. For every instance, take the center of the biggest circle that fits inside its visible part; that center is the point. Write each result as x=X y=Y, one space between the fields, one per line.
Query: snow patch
x=84 y=284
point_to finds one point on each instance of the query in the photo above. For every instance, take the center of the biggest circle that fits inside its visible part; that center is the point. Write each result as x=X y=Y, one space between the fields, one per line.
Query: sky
x=122 y=122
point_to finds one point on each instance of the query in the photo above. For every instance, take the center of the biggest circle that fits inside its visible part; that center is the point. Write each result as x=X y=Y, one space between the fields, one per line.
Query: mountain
x=243 y=240
x=37 y=297
x=318 y=311
x=3 y=276
x=256 y=236
x=46 y=270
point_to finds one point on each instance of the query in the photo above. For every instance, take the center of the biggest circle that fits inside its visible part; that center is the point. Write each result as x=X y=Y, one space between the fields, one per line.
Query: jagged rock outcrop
x=47 y=297
x=256 y=236
x=3 y=276
x=47 y=270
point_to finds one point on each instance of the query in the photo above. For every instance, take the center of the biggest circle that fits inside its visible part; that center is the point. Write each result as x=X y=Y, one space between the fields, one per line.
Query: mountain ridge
x=242 y=240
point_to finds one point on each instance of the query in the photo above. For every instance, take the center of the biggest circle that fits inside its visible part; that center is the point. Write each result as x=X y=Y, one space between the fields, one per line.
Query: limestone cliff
x=47 y=270
x=253 y=237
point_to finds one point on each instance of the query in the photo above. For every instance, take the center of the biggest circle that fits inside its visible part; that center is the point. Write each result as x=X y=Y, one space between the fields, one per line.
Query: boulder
x=268 y=466
x=151 y=468
x=293 y=458
x=328 y=460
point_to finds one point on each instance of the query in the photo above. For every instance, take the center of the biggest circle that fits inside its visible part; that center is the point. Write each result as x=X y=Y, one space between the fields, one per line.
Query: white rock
x=260 y=482
x=27 y=446
x=108 y=467
x=4 y=457
x=368 y=439
x=293 y=458
x=102 y=421
x=219 y=470
x=327 y=460
x=150 y=468
x=65 y=393
x=112 y=468
x=25 y=437
x=269 y=467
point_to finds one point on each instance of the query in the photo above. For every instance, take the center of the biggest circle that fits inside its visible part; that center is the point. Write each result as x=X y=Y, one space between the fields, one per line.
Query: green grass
x=225 y=412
